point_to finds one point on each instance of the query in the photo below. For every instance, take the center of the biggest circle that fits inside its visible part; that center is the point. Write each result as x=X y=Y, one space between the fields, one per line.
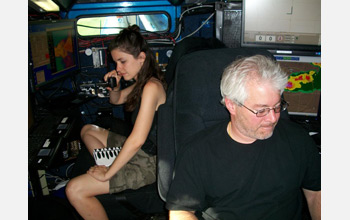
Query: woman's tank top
x=150 y=145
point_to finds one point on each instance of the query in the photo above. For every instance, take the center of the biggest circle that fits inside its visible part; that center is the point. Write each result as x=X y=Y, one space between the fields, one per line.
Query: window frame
x=124 y=14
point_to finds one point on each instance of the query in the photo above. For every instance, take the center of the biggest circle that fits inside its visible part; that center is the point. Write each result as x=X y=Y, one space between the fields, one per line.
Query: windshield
x=108 y=25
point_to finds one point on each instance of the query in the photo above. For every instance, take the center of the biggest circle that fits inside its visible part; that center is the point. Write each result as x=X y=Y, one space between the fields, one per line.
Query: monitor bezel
x=63 y=74
x=279 y=49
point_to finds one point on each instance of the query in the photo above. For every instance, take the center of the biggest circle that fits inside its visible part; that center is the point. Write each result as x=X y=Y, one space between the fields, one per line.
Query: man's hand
x=181 y=215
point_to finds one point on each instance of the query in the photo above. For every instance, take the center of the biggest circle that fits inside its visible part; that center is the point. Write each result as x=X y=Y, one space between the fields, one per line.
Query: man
x=256 y=166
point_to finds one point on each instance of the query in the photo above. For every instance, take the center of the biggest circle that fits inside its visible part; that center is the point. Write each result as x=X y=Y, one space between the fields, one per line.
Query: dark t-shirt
x=262 y=180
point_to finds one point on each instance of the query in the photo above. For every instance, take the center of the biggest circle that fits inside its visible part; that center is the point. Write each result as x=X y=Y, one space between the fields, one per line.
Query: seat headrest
x=197 y=88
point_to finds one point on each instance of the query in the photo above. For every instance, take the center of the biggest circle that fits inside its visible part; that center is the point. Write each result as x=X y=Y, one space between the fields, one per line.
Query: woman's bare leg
x=81 y=192
x=94 y=137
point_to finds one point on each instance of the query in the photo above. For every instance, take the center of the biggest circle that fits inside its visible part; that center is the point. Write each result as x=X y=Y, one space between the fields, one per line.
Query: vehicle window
x=107 y=25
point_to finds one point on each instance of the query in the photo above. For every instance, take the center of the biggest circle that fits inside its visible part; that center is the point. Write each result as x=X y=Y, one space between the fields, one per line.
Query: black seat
x=193 y=103
x=186 y=46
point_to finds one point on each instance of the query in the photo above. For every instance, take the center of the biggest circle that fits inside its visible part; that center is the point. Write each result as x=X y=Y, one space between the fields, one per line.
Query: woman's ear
x=142 y=56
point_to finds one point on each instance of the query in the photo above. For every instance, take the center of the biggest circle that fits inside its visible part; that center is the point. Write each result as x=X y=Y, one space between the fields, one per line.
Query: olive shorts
x=138 y=172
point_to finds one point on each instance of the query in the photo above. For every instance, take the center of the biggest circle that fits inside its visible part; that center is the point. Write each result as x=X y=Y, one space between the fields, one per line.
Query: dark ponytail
x=130 y=41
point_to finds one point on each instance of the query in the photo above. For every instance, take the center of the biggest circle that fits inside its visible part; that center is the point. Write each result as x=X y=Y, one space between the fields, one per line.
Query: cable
x=151 y=37
x=53 y=176
x=71 y=165
x=49 y=16
x=88 y=43
x=189 y=9
x=87 y=26
x=195 y=7
x=197 y=28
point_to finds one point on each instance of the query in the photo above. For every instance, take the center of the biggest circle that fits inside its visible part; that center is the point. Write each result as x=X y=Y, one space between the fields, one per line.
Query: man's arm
x=181 y=215
x=313 y=199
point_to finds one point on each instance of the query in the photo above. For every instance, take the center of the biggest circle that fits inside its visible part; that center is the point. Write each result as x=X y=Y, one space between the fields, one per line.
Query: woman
x=134 y=60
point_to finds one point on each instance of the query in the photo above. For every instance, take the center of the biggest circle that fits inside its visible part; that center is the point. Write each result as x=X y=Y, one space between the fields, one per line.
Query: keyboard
x=46 y=138
x=45 y=126
x=34 y=145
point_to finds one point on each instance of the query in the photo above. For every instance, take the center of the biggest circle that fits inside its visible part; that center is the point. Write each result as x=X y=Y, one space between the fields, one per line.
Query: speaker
x=229 y=23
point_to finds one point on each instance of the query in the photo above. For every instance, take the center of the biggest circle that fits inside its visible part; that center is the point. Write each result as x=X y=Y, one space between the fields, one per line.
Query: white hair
x=238 y=73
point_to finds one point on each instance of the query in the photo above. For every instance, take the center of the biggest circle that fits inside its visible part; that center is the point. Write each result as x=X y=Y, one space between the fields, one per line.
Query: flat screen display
x=52 y=51
x=303 y=90
x=282 y=26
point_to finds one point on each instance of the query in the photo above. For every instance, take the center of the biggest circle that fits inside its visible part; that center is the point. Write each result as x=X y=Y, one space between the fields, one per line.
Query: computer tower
x=229 y=23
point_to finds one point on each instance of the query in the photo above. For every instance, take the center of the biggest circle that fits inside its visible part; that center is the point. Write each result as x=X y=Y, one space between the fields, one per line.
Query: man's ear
x=231 y=106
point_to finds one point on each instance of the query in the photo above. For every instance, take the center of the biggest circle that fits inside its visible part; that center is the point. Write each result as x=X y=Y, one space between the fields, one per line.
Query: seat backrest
x=193 y=103
x=186 y=46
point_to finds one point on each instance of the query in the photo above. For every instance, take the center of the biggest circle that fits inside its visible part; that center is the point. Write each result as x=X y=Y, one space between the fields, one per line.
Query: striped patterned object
x=106 y=156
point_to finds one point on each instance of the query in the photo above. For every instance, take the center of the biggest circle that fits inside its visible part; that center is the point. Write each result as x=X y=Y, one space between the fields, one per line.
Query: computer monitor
x=282 y=27
x=53 y=52
x=303 y=90
x=291 y=31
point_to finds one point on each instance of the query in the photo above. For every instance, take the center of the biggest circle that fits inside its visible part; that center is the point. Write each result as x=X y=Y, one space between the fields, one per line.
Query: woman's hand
x=98 y=172
x=114 y=74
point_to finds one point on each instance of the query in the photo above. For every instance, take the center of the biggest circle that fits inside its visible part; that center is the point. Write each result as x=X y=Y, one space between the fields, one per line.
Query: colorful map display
x=305 y=81
x=303 y=91
x=63 y=44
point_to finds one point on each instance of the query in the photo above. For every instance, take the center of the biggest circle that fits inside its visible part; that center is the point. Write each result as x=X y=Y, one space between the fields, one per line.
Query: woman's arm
x=153 y=95
x=116 y=95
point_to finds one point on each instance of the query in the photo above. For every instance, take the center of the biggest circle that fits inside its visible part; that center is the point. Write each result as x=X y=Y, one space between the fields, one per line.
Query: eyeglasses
x=262 y=112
